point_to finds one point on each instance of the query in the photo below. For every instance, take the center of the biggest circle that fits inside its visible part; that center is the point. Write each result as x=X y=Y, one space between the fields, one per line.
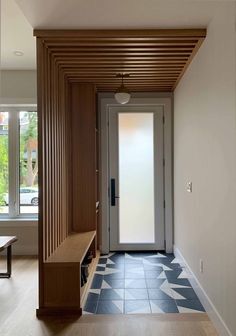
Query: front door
x=136 y=178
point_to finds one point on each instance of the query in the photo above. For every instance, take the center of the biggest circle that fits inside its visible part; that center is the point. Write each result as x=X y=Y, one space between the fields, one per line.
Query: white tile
x=162 y=275
x=95 y=291
x=155 y=309
x=184 y=275
x=188 y=310
x=177 y=296
x=119 y=305
x=177 y=286
x=105 y=285
x=119 y=292
x=168 y=291
x=110 y=262
x=144 y=310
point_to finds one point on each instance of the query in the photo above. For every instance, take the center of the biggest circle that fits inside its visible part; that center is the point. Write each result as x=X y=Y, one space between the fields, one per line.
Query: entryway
x=136 y=214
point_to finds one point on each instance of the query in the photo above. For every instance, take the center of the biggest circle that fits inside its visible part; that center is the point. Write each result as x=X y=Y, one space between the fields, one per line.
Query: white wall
x=27 y=234
x=205 y=153
x=19 y=87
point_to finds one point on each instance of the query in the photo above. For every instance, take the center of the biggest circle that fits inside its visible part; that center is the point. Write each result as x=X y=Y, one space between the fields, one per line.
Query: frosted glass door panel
x=136 y=178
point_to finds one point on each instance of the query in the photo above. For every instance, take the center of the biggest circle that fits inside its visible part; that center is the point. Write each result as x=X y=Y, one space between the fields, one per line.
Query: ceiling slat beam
x=155 y=59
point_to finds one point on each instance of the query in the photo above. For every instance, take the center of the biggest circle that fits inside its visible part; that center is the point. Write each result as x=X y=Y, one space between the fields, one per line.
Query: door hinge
x=164 y=162
x=164 y=204
x=163 y=119
x=109 y=229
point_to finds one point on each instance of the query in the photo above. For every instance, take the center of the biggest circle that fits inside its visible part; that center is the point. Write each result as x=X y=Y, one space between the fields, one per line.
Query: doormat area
x=138 y=282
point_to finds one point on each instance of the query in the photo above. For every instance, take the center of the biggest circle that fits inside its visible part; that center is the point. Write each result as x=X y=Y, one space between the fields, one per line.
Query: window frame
x=14 y=161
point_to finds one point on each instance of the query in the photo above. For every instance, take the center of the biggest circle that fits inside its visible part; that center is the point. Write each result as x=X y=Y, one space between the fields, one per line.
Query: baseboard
x=66 y=312
x=211 y=310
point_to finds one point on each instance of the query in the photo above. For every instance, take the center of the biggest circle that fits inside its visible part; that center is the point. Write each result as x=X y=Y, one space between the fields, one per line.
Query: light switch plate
x=189 y=187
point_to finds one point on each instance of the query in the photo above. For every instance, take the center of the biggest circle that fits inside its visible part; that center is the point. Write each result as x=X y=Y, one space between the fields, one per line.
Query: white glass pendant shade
x=122 y=95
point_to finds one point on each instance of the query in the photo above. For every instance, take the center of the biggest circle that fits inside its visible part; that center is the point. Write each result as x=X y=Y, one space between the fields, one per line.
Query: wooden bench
x=62 y=292
x=6 y=243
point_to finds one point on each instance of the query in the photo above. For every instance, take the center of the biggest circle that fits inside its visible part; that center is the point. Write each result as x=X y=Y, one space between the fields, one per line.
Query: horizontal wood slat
x=147 y=33
x=96 y=56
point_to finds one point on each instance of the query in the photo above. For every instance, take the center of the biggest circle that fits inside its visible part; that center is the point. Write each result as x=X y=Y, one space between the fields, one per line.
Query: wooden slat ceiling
x=154 y=59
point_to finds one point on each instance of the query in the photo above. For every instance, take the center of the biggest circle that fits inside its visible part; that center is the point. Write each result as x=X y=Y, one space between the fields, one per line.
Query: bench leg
x=8 y=273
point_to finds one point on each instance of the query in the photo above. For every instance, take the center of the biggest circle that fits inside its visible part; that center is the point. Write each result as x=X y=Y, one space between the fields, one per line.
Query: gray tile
x=157 y=294
x=187 y=293
x=135 y=275
x=112 y=294
x=136 y=294
x=154 y=283
x=135 y=283
x=90 y=307
x=139 y=267
x=102 y=261
x=193 y=306
x=152 y=268
x=97 y=281
x=110 y=307
x=116 y=283
x=179 y=282
x=163 y=306
x=173 y=274
x=152 y=274
x=137 y=307
x=92 y=297
x=118 y=275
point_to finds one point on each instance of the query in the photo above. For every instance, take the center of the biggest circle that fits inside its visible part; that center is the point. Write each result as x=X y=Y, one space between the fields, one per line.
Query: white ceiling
x=16 y=34
x=116 y=13
x=96 y=14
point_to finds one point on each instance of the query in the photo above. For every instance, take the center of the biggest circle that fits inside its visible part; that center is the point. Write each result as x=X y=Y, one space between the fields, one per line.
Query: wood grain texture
x=17 y=314
x=62 y=285
x=83 y=119
x=95 y=56
x=67 y=182
x=6 y=241
x=73 y=249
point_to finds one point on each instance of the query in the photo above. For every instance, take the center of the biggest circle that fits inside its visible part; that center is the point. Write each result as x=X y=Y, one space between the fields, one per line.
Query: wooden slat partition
x=67 y=180
x=54 y=155
x=71 y=64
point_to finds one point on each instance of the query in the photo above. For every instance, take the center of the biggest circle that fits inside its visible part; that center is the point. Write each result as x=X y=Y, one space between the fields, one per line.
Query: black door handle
x=113 y=192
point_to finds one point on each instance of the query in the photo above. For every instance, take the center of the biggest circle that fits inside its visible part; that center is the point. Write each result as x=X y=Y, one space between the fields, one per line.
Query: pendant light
x=122 y=94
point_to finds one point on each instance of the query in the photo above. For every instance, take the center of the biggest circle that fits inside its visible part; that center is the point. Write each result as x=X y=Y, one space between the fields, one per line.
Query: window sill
x=18 y=222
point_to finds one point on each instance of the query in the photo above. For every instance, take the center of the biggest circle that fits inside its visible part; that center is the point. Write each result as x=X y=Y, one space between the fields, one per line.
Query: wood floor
x=18 y=301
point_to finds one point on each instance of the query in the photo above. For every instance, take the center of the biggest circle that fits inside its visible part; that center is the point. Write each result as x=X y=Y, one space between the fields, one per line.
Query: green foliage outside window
x=3 y=167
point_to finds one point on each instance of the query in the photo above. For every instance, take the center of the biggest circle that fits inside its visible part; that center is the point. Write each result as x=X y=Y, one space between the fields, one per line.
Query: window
x=18 y=162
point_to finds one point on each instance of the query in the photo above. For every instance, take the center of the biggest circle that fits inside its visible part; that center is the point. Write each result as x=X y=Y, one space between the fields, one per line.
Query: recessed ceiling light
x=18 y=53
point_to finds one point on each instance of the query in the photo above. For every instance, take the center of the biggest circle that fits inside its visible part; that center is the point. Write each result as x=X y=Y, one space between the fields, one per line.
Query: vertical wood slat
x=53 y=175
x=41 y=175
x=83 y=114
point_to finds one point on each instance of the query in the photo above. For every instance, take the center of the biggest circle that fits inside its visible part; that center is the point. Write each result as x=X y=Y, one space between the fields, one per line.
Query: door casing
x=105 y=103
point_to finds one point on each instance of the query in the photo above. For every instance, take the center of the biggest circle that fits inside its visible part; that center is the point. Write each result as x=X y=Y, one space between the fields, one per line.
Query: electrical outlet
x=201 y=266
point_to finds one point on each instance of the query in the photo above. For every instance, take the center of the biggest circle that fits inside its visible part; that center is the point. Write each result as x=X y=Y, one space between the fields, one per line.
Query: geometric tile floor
x=141 y=282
